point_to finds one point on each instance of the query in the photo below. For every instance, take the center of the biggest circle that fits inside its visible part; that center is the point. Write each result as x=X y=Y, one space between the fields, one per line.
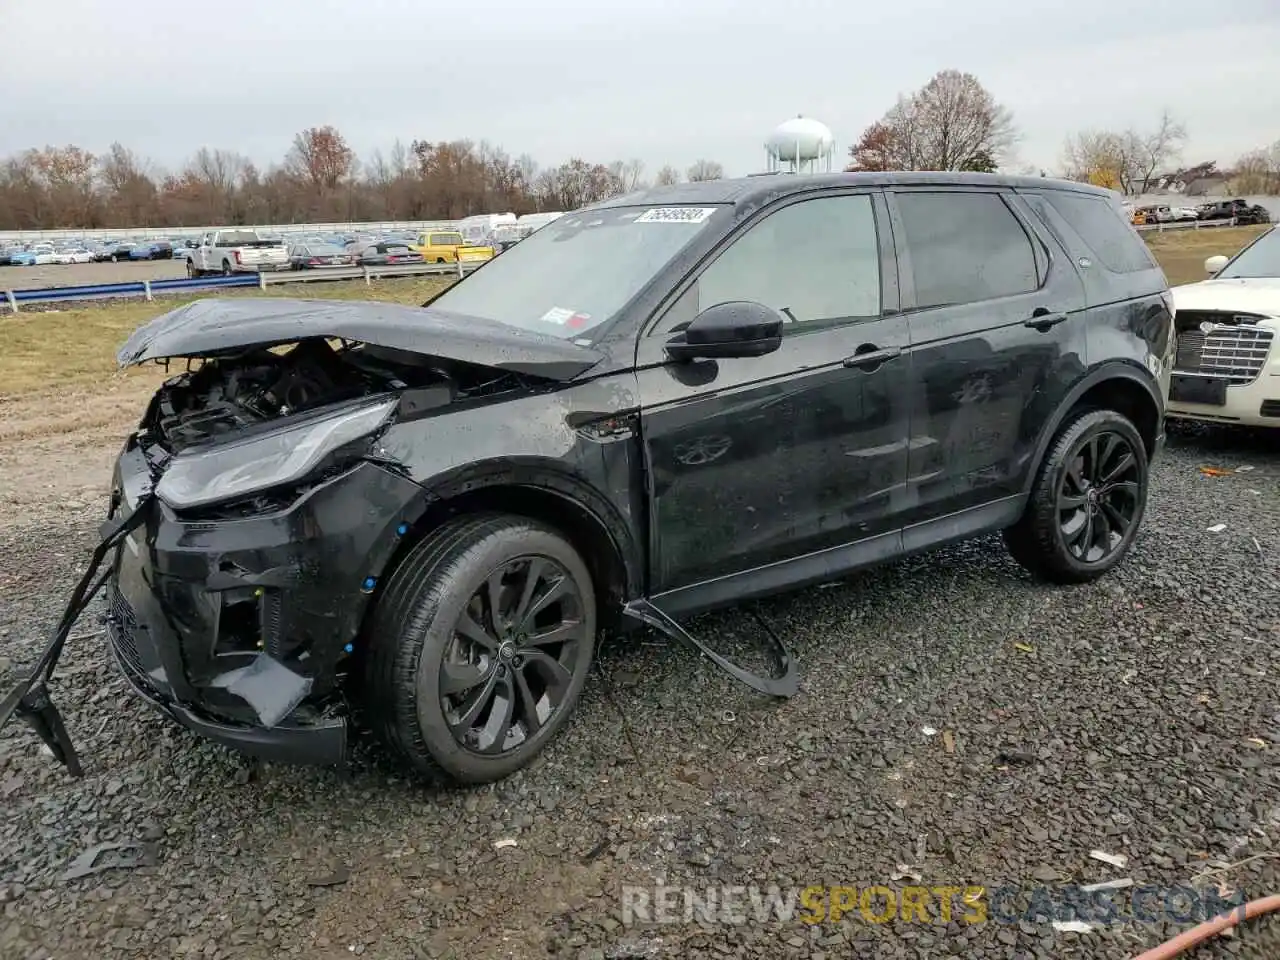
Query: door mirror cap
x=1213 y=266
x=739 y=328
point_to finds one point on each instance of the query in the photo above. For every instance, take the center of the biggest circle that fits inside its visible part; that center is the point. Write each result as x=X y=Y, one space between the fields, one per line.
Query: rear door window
x=1101 y=226
x=965 y=248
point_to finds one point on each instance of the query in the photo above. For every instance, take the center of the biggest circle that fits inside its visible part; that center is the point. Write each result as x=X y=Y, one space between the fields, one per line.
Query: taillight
x=315 y=262
x=237 y=255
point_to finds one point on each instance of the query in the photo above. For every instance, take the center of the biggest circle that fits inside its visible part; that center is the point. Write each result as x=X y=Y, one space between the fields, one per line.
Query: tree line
x=320 y=179
x=951 y=123
x=954 y=123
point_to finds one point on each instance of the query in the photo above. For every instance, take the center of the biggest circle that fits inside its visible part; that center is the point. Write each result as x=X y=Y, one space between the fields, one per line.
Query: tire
x=414 y=635
x=1042 y=538
x=192 y=272
x=439 y=259
x=226 y=268
x=114 y=258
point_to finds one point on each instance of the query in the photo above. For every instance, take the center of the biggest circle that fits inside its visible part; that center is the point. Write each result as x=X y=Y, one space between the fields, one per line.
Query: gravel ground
x=78 y=274
x=1139 y=716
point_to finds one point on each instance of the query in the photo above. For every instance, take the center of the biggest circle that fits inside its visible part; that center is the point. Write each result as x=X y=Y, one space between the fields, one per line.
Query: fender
x=1109 y=370
x=546 y=476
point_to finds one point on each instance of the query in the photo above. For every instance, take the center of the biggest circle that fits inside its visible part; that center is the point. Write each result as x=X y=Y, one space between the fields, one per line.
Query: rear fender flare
x=1111 y=370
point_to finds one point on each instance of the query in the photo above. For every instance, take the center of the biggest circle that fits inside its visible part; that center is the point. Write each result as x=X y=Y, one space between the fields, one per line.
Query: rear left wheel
x=1088 y=500
x=480 y=647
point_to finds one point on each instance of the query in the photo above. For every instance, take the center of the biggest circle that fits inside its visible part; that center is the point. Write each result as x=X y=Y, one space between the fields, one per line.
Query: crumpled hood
x=1243 y=295
x=214 y=326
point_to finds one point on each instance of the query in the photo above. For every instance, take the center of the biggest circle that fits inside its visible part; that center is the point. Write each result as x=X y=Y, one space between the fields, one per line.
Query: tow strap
x=30 y=699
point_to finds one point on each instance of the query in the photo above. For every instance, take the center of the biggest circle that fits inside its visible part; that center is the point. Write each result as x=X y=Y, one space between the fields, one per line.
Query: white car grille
x=1232 y=348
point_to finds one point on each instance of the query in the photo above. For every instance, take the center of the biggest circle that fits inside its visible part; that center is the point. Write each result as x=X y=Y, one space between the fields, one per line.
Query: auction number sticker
x=675 y=215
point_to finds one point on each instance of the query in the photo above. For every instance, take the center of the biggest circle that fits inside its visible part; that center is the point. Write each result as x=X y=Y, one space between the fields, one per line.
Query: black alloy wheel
x=1087 y=502
x=479 y=646
x=1099 y=496
x=510 y=665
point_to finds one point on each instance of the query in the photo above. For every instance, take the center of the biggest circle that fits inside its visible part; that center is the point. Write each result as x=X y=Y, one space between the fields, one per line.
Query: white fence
x=162 y=233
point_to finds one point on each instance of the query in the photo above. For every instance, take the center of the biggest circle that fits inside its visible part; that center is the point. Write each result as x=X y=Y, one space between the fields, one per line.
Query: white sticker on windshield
x=675 y=215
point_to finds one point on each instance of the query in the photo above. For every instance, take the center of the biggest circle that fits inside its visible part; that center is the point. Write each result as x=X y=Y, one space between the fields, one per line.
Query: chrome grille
x=1233 y=353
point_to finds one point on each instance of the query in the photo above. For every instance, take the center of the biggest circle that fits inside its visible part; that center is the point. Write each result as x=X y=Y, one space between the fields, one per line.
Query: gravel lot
x=1139 y=716
x=78 y=274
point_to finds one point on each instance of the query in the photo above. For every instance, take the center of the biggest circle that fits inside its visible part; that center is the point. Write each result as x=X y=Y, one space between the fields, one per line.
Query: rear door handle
x=1043 y=320
x=868 y=357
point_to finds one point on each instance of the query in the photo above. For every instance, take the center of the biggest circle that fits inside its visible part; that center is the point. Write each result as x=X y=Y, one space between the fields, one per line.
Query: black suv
x=666 y=402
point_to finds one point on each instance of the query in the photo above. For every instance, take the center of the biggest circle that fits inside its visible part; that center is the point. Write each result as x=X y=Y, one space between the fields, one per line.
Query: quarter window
x=1101 y=225
x=965 y=247
x=816 y=262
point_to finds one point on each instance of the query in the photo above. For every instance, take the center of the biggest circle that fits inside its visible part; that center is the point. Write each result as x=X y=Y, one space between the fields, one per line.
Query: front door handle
x=1043 y=320
x=868 y=356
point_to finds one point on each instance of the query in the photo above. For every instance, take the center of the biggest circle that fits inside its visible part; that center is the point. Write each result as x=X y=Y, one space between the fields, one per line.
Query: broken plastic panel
x=267 y=685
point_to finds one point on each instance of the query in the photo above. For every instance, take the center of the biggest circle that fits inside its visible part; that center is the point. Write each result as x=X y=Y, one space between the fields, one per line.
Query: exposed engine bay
x=218 y=397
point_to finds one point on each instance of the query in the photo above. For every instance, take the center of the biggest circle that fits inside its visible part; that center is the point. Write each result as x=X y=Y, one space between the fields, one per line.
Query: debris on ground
x=1117 y=860
x=340 y=874
x=504 y=843
x=112 y=856
x=1216 y=528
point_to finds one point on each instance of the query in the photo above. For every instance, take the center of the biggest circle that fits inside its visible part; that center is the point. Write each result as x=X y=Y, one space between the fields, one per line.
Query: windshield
x=1260 y=259
x=577 y=272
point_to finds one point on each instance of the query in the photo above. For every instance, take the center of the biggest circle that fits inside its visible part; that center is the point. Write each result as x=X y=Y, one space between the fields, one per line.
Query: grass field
x=56 y=349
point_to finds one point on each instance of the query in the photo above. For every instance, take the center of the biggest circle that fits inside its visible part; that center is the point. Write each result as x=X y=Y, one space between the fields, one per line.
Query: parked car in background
x=448 y=246
x=38 y=254
x=115 y=252
x=72 y=255
x=152 y=250
x=316 y=254
x=386 y=252
x=1227 y=368
x=237 y=251
x=1241 y=210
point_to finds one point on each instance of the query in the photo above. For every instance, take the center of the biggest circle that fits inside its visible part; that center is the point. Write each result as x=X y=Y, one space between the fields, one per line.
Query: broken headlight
x=243 y=467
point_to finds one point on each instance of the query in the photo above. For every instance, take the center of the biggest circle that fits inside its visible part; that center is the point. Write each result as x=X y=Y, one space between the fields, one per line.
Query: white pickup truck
x=237 y=251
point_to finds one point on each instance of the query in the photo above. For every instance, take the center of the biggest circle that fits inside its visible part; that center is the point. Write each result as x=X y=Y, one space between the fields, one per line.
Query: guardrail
x=149 y=289
x=1185 y=225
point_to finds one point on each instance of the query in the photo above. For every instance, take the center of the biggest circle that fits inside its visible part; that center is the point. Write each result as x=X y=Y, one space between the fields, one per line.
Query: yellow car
x=447 y=246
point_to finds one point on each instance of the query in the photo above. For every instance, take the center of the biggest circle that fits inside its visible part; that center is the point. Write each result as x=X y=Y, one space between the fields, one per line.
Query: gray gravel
x=1139 y=716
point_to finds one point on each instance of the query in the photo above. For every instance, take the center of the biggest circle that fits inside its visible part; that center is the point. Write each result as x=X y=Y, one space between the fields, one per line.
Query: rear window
x=1113 y=241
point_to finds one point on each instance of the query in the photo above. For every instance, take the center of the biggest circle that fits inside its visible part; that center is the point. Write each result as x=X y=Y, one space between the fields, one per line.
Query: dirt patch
x=80 y=274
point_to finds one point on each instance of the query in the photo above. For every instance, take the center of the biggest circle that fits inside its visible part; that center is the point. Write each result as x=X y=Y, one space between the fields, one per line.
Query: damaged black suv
x=666 y=402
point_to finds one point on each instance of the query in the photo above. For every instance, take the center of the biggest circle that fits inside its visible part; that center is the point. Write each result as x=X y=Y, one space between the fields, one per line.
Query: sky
x=662 y=81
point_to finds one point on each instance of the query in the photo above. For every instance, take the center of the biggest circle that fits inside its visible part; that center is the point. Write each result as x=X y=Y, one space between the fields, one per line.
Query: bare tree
x=630 y=174
x=705 y=170
x=321 y=155
x=1126 y=160
x=1153 y=151
x=952 y=123
x=667 y=176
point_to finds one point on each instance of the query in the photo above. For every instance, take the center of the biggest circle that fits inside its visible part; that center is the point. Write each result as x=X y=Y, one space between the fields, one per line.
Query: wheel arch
x=550 y=494
x=1117 y=385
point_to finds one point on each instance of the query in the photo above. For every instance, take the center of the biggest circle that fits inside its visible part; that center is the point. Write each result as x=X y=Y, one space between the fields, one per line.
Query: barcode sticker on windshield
x=675 y=215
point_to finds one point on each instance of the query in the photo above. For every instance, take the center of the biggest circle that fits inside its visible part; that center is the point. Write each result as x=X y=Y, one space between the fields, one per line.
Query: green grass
x=48 y=349
x=40 y=349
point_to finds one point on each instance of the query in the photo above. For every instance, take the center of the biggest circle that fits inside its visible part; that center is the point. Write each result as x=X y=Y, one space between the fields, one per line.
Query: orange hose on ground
x=1210 y=928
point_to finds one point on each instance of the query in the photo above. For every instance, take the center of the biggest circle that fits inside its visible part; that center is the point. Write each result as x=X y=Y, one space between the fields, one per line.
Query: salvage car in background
x=1227 y=368
x=318 y=255
x=384 y=253
x=664 y=403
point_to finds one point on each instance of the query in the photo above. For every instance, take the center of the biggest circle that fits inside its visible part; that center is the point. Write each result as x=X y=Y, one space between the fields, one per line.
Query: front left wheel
x=480 y=646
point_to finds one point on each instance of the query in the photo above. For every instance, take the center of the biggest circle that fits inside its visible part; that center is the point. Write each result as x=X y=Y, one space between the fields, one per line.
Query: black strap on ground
x=30 y=699
x=783 y=686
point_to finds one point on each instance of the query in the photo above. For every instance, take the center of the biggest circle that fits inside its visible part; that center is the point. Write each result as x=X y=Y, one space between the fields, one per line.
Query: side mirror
x=1213 y=266
x=739 y=328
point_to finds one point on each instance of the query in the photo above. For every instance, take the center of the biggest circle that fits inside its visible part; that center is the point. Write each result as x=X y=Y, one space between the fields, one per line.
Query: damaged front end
x=254 y=509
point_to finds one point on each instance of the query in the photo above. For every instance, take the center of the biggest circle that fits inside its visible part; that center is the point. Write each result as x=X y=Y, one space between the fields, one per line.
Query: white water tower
x=801 y=145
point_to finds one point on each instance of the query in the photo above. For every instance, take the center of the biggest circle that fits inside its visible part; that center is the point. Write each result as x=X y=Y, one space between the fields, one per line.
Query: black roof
x=750 y=190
